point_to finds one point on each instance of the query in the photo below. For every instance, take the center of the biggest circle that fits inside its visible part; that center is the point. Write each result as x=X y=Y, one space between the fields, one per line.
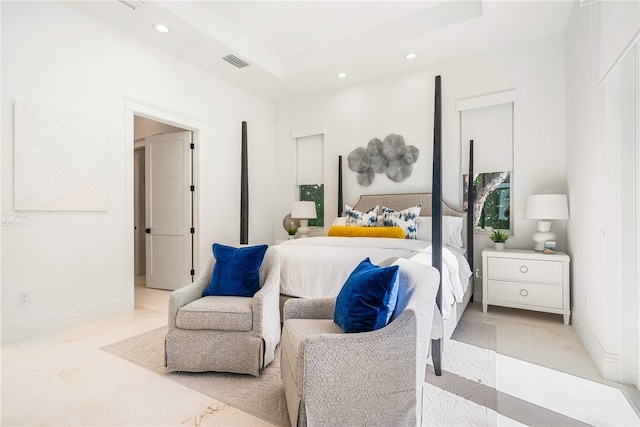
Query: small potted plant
x=499 y=237
x=292 y=230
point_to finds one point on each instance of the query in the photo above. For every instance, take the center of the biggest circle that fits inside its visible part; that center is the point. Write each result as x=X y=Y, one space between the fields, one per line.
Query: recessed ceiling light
x=410 y=55
x=161 y=28
x=342 y=75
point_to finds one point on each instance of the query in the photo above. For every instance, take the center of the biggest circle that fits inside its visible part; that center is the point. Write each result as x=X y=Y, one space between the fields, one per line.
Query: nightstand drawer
x=525 y=293
x=525 y=269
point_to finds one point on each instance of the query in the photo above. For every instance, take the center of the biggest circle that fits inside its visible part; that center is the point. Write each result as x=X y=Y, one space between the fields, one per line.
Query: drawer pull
x=524 y=292
x=523 y=269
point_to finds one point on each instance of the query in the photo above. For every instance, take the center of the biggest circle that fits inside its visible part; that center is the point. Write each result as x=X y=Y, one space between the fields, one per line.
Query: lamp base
x=303 y=230
x=542 y=235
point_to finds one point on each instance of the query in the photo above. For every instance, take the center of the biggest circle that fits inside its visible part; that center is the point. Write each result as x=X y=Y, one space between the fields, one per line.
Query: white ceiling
x=298 y=47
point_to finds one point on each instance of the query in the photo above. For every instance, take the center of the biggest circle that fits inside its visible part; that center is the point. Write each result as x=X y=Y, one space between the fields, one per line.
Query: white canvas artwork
x=60 y=160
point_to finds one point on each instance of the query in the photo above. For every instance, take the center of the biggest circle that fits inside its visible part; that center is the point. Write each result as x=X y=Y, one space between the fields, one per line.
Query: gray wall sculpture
x=391 y=156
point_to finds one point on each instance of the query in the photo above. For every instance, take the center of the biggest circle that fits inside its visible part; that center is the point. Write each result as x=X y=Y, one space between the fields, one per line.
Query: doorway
x=164 y=193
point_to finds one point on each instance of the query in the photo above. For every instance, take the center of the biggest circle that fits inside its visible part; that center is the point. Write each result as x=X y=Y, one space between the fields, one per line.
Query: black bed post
x=436 y=213
x=340 y=205
x=244 y=190
x=471 y=197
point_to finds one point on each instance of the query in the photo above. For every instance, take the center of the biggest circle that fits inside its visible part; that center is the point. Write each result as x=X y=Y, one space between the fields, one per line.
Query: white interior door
x=168 y=210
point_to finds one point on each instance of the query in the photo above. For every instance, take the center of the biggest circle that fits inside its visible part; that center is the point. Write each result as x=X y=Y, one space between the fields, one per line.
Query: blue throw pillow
x=367 y=299
x=236 y=271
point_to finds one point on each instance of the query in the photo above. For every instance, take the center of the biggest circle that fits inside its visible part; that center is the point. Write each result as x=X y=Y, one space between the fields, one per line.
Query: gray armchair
x=223 y=333
x=370 y=378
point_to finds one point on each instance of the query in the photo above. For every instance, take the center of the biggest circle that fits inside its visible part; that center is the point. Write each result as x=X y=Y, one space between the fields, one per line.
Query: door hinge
x=193 y=230
x=193 y=188
x=193 y=272
x=193 y=146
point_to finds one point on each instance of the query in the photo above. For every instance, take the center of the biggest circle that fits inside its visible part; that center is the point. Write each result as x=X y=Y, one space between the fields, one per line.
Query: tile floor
x=63 y=378
x=544 y=375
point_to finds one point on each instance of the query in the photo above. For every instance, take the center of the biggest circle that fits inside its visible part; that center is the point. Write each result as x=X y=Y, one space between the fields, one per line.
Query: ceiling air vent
x=133 y=4
x=234 y=60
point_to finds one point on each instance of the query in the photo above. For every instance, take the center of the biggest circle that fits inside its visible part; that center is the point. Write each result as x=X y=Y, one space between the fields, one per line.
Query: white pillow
x=451 y=230
x=341 y=220
x=424 y=228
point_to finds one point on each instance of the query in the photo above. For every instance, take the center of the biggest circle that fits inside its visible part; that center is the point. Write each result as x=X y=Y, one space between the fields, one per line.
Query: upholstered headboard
x=399 y=202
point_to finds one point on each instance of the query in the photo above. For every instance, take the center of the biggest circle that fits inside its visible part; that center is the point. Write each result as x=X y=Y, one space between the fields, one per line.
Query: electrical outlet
x=478 y=273
x=20 y=219
x=25 y=298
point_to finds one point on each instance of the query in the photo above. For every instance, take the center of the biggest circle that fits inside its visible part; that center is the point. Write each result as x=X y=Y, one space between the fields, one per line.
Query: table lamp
x=545 y=207
x=304 y=211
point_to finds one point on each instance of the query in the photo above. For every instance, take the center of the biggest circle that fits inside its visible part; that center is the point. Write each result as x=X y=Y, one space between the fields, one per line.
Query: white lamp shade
x=303 y=210
x=546 y=206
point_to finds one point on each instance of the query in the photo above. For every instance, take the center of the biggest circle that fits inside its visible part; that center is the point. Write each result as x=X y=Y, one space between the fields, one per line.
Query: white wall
x=404 y=105
x=594 y=178
x=79 y=265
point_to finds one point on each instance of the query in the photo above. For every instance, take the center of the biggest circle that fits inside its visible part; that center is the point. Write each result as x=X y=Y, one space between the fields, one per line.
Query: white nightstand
x=526 y=279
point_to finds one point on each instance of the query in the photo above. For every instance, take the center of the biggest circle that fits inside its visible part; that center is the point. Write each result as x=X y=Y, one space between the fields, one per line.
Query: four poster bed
x=318 y=266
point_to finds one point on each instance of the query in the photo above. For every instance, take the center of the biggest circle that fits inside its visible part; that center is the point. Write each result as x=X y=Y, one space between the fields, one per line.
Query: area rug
x=262 y=397
x=464 y=394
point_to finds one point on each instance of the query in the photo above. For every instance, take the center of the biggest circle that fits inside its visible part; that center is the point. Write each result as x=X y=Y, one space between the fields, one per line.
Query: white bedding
x=317 y=267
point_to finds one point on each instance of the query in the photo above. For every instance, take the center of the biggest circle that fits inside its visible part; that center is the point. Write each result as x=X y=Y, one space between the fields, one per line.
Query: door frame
x=140 y=108
x=630 y=313
x=138 y=147
x=632 y=392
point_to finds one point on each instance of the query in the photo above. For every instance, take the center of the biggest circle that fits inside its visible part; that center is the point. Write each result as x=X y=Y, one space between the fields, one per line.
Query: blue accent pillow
x=367 y=299
x=236 y=271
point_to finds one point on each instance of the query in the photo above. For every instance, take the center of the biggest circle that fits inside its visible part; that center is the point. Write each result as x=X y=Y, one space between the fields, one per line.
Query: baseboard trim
x=23 y=329
x=607 y=363
x=477 y=293
x=632 y=394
